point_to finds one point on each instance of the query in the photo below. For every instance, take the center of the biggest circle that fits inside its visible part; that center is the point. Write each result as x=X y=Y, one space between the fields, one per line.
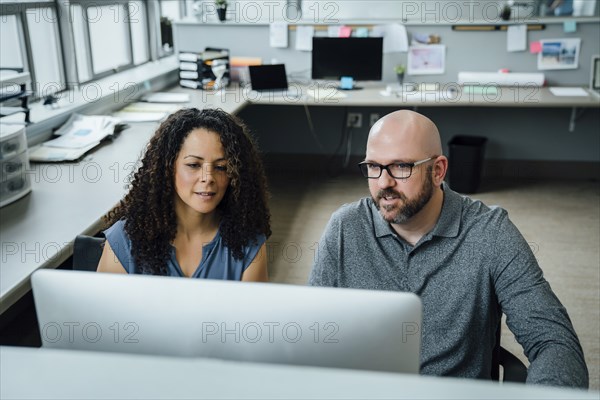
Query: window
x=109 y=36
x=45 y=51
x=30 y=40
x=10 y=42
x=139 y=32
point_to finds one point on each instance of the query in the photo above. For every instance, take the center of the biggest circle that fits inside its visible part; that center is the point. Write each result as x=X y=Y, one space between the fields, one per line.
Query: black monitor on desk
x=359 y=58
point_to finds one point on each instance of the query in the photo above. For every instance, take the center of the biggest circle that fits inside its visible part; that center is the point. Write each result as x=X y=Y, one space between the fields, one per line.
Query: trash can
x=466 y=162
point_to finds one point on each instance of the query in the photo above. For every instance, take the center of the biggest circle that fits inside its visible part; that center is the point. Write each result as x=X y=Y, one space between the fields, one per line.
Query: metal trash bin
x=466 y=162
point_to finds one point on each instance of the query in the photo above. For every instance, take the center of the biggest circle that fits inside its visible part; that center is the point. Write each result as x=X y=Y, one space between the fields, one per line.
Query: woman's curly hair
x=149 y=207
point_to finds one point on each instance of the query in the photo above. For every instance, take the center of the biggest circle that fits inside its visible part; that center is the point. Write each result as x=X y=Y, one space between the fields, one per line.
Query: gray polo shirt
x=470 y=268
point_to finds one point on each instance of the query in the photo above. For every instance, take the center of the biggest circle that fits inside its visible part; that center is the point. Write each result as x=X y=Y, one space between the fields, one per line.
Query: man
x=467 y=262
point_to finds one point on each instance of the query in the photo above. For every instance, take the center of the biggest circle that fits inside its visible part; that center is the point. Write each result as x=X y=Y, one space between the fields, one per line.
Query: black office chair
x=86 y=252
x=514 y=369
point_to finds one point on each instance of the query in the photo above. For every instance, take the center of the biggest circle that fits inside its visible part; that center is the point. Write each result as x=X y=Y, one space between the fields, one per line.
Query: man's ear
x=440 y=167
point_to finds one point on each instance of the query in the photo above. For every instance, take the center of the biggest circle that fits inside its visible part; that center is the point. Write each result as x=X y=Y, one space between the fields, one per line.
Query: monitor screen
x=595 y=81
x=240 y=321
x=268 y=77
x=359 y=58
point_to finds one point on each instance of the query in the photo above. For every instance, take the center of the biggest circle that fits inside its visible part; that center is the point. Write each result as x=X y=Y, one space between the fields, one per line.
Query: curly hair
x=149 y=207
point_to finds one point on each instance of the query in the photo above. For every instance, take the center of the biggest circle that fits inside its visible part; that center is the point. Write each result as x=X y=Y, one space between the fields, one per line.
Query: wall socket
x=354 y=120
x=373 y=117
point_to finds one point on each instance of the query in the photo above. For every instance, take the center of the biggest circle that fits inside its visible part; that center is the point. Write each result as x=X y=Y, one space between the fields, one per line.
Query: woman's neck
x=193 y=224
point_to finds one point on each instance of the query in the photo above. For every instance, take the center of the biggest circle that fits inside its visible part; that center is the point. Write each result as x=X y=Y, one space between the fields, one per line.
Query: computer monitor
x=359 y=58
x=595 y=75
x=255 y=322
x=268 y=77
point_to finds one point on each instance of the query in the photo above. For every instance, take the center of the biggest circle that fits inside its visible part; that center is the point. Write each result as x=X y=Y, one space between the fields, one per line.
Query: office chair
x=514 y=369
x=87 y=251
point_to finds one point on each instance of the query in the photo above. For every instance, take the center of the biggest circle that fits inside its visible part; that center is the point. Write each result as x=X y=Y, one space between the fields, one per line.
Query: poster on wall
x=426 y=60
x=559 y=54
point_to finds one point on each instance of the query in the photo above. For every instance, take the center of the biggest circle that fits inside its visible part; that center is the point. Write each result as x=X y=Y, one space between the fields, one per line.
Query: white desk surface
x=69 y=199
x=31 y=373
x=372 y=97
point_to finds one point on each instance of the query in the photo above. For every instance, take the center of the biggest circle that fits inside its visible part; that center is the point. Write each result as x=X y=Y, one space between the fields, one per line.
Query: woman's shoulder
x=117 y=235
x=118 y=228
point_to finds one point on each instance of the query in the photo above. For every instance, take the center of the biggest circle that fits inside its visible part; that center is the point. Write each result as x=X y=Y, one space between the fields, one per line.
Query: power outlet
x=354 y=120
x=374 y=117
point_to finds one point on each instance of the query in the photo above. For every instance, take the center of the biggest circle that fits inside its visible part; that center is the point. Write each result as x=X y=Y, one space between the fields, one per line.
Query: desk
x=69 y=199
x=28 y=373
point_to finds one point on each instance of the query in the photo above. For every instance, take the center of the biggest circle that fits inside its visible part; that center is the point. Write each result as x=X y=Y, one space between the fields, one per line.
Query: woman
x=197 y=206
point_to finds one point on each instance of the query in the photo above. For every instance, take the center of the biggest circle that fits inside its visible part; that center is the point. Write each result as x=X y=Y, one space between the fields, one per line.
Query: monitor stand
x=352 y=88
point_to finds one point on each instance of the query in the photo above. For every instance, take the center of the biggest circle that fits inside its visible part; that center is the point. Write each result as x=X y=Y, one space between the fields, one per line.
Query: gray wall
x=513 y=133
x=465 y=51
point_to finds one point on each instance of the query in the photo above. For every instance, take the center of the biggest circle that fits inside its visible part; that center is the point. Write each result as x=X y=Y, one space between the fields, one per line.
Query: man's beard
x=408 y=208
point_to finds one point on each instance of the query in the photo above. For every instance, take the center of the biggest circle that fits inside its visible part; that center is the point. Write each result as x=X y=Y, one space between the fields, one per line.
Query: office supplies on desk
x=269 y=78
x=82 y=130
x=501 y=78
x=57 y=154
x=140 y=116
x=239 y=67
x=283 y=324
x=77 y=136
x=166 y=97
x=13 y=87
x=14 y=164
x=568 y=91
x=207 y=70
x=324 y=93
x=146 y=112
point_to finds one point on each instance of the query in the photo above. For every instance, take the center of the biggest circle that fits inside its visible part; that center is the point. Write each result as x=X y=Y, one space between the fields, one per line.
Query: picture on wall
x=559 y=54
x=427 y=59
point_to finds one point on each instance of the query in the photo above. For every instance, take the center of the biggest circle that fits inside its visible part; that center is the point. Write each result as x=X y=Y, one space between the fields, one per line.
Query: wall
x=514 y=133
x=465 y=51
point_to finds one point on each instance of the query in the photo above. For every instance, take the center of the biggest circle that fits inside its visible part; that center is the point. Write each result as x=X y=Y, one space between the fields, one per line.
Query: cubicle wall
x=515 y=133
x=465 y=51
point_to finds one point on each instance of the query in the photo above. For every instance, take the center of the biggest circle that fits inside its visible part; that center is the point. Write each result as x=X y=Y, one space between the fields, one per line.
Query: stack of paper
x=146 y=112
x=166 y=97
x=77 y=136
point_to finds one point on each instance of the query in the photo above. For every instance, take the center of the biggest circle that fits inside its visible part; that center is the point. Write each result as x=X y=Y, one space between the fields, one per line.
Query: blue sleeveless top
x=217 y=259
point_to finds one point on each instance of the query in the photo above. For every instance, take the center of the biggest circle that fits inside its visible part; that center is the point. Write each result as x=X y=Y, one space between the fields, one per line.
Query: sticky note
x=346 y=82
x=570 y=26
x=362 y=32
x=345 y=31
x=535 y=47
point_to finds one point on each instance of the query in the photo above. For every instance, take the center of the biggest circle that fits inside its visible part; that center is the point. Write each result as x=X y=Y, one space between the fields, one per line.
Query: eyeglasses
x=396 y=170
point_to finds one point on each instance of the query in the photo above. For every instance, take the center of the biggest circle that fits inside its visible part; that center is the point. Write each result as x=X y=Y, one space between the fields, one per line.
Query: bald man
x=467 y=262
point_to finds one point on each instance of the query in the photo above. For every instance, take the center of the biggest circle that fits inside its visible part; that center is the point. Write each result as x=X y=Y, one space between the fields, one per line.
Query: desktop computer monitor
x=359 y=58
x=254 y=322
x=595 y=75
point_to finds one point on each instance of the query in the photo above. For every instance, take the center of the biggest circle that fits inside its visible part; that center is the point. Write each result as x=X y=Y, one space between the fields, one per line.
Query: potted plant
x=400 y=69
x=221 y=9
x=505 y=12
